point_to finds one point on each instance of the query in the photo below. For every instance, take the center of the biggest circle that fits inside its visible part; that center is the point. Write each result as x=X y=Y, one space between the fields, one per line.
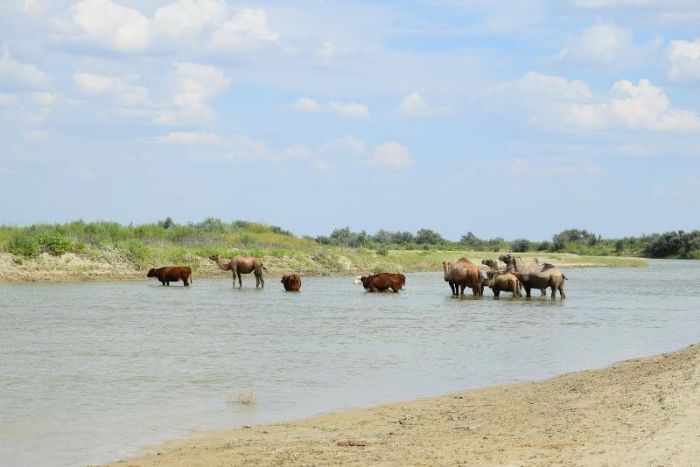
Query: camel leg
x=561 y=290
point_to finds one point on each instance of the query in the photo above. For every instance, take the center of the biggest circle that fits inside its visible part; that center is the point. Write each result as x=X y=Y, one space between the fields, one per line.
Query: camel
x=463 y=273
x=536 y=276
x=242 y=265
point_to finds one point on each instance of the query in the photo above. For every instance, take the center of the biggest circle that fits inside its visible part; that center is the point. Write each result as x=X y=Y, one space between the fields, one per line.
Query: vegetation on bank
x=166 y=242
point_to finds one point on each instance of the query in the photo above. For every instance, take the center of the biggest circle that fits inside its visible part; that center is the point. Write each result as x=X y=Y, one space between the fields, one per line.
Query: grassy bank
x=113 y=263
x=104 y=250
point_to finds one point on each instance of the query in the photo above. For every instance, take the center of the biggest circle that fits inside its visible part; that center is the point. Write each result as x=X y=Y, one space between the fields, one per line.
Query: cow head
x=152 y=273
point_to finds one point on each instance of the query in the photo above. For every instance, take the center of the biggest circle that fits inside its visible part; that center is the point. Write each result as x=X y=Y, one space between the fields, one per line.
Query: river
x=92 y=372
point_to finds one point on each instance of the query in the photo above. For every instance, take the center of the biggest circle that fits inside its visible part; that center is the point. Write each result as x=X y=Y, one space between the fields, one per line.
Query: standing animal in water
x=291 y=283
x=536 y=276
x=382 y=281
x=502 y=282
x=242 y=265
x=169 y=274
x=462 y=274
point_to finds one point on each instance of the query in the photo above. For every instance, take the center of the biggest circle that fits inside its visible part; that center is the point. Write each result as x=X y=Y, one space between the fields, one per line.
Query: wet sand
x=639 y=412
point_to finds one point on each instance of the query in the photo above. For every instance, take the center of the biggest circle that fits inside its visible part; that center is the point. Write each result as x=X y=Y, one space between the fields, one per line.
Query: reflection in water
x=92 y=371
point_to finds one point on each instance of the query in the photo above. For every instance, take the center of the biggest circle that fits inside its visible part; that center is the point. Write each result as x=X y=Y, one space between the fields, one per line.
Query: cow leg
x=496 y=292
x=527 y=290
x=262 y=281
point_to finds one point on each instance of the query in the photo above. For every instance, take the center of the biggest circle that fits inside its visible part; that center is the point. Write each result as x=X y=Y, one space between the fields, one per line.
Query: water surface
x=91 y=372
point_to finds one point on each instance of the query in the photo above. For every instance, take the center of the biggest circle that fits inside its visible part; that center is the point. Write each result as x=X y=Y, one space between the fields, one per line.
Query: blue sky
x=513 y=118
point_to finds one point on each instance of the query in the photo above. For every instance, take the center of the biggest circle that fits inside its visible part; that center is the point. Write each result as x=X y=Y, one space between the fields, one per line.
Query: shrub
x=382 y=250
x=138 y=253
x=23 y=245
x=520 y=245
x=55 y=245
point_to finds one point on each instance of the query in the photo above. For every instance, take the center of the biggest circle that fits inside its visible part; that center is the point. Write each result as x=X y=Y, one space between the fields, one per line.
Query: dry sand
x=639 y=412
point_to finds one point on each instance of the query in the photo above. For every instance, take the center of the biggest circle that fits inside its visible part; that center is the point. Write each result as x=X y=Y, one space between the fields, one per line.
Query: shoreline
x=639 y=411
x=72 y=267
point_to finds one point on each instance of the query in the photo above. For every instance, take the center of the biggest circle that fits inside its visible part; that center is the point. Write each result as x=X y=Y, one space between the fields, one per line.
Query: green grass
x=145 y=246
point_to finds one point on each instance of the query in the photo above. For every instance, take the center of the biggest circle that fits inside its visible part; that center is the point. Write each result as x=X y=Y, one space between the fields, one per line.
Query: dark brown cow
x=170 y=274
x=383 y=281
x=292 y=283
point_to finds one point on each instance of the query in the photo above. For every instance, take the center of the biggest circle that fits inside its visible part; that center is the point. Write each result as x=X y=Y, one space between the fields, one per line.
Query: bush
x=23 y=245
x=55 y=245
x=382 y=250
x=138 y=253
x=520 y=245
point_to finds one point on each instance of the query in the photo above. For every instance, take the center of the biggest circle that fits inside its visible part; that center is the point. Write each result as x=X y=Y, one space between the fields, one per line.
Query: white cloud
x=557 y=103
x=645 y=106
x=414 y=104
x=195 y=85
x=247 y=29
x=120 y=88
x=306 y=104
x=234 y=148
x=186 y=19
x=14 y=74
x=601 y=43
x=523 y=167
x=391 y=155
x=189 y=138
x=117 y=27
x=684 y=57
x=349 y=109
x=343 y=109
x=29 y=109
x=347 y=144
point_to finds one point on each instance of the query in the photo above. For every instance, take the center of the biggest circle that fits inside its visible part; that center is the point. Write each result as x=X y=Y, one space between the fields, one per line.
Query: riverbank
x=639 y=412
x=114 y=264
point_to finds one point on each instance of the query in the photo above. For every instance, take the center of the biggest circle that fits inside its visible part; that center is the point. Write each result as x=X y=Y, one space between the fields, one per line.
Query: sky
x=508 y=119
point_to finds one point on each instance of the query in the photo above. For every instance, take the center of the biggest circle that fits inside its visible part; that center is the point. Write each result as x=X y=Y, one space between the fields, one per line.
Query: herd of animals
x=513 y=278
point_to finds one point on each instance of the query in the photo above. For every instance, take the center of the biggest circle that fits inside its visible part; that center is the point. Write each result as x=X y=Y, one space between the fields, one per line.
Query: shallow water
x=91 y=372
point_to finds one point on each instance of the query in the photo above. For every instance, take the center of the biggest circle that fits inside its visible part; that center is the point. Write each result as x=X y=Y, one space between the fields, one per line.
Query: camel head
x=214 y=257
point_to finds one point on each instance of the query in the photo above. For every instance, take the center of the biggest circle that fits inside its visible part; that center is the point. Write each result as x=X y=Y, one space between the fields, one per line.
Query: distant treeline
x=212 y=234
x=676 y=244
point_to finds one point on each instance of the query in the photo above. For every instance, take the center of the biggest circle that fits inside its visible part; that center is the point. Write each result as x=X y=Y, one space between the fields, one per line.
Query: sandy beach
x=638 y=412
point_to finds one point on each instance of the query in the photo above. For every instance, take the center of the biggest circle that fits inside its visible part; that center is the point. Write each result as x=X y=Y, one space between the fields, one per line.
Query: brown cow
x=170 y=274
x=292 y=283
x=383 y=281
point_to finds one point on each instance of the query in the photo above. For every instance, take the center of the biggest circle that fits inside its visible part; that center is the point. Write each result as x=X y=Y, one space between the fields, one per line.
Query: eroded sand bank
x=639 y=412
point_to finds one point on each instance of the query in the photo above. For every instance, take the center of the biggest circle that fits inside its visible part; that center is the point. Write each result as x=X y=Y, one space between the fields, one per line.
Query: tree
x=428 y=237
